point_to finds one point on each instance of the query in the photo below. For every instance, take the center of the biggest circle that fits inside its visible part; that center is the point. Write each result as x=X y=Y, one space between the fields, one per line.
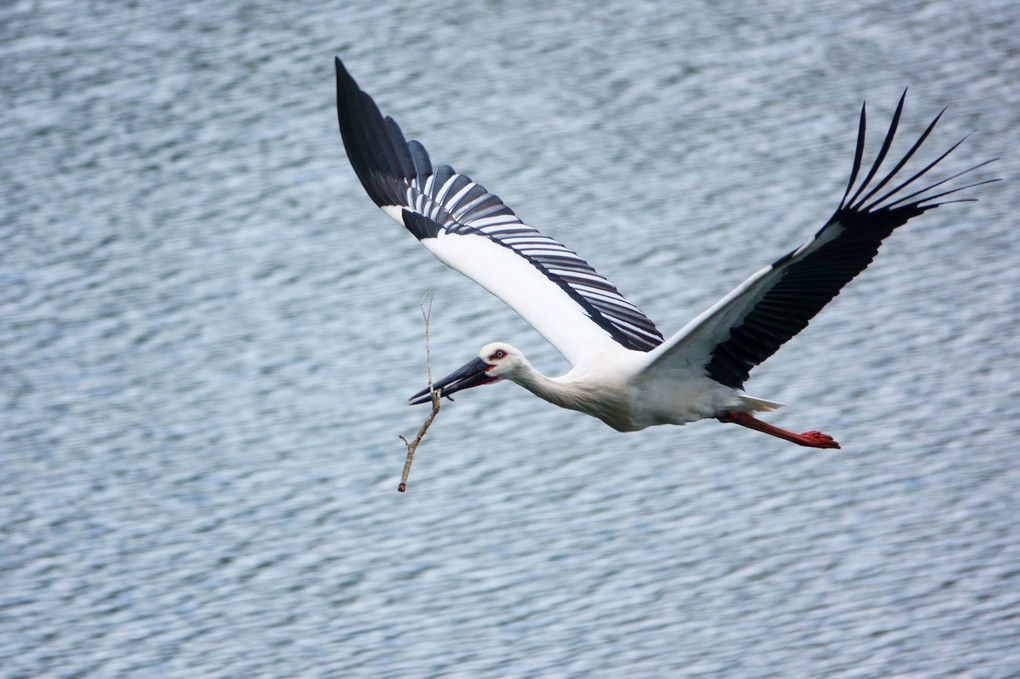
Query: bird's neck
x=582 y=391
x=564 y=392
x=547 y=388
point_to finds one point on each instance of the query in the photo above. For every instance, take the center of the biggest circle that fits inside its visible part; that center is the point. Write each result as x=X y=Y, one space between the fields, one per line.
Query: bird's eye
x=499 y=354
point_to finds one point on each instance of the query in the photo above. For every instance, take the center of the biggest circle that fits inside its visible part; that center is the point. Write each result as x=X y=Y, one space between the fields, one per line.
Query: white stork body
x=624 y=372
x=618 y=388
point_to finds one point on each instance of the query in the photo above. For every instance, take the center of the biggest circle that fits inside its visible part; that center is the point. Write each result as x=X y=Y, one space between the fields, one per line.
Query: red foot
x=810 y=439
x=816 y=439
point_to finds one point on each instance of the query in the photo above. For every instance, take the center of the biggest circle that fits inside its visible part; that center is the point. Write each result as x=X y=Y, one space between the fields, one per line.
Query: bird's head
x=494 y=362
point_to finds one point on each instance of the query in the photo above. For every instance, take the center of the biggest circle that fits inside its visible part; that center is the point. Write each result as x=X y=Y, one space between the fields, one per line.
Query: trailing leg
x=810 y=439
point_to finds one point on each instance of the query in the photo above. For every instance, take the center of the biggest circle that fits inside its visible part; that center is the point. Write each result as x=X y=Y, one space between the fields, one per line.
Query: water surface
x=207 y=333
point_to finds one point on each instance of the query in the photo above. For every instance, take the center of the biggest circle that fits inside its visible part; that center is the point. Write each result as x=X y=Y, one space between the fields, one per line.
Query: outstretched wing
x=472 y=231
x=754 y=320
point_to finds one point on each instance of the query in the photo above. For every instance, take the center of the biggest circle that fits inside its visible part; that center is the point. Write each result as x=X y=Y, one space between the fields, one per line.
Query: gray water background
x=208 y=332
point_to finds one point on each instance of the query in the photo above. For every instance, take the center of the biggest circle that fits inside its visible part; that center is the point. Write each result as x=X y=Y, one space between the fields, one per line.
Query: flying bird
x=624 y=372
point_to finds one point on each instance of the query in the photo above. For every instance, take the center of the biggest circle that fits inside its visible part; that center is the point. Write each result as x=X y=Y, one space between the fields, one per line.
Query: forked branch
x=434 y=394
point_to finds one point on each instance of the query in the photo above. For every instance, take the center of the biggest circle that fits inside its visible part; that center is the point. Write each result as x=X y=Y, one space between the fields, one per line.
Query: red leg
x=811 y=439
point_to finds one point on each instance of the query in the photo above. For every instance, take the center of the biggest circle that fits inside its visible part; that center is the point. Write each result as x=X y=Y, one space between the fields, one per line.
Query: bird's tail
x=760 y=404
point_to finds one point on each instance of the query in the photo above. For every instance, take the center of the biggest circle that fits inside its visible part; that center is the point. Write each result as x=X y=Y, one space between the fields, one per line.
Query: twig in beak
x=434 y=394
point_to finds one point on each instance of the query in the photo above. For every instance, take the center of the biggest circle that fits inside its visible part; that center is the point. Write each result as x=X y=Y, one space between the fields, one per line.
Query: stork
x=624 y=372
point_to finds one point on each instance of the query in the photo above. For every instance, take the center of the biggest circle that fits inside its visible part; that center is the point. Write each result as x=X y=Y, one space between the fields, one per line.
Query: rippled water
x=207 y=333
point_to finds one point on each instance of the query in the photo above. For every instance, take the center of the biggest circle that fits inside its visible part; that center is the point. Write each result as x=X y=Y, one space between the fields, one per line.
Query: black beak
x=471 y=375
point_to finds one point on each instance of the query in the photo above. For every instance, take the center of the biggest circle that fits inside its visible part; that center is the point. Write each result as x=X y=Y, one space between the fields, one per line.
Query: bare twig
x=434 y=394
